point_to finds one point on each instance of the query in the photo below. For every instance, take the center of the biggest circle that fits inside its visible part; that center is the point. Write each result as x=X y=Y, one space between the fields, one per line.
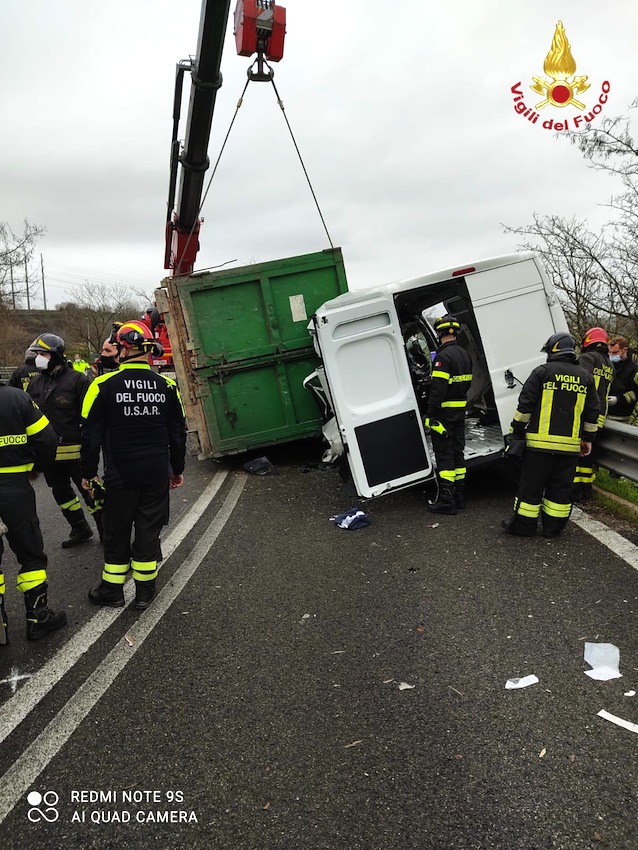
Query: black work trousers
x=449 y=451
x=143 y=511
x=545 y=488
x=18 y=511
x=59 y=476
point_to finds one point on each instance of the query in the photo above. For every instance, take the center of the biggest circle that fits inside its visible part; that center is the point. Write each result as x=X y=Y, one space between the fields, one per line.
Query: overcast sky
x=403 y=113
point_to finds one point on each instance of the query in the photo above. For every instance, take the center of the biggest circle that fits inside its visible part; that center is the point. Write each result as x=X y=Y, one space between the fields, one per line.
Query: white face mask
x=41 y=362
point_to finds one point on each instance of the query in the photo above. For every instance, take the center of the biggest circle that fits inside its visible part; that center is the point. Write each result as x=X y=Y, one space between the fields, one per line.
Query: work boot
x=587 y=493
x=145 y=593
x=80 y=533
x=459 y=494
x=4 y=628
x=106 y=593
x=41 y=620
x=511 y=526
x=445 y=503
x=97 y=516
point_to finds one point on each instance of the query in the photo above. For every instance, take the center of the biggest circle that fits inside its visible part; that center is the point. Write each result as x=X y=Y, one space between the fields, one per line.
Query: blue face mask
x=615 y=358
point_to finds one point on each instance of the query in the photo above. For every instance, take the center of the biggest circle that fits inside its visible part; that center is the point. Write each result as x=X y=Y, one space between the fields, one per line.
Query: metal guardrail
x=616 y=449
x=6 y=372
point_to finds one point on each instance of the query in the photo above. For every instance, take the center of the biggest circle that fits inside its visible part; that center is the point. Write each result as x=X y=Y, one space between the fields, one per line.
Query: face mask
x=108 y=361
x=41 y=362
x=615 y=358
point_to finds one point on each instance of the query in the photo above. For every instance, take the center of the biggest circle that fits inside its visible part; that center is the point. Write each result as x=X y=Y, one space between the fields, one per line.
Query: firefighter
x=59 y=391
x=445 y=415
x=594 y=357
x=26 y=438
x=22 y=376
x=555 y=422
x=135 y=416
x=624 y=392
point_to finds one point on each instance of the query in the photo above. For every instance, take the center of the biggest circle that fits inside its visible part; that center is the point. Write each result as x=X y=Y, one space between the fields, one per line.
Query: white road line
x=625 y=549
x=25 y=770
x=43 y=680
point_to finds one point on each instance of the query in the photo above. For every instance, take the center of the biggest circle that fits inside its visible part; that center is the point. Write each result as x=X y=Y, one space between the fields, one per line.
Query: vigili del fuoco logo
x=560 y=88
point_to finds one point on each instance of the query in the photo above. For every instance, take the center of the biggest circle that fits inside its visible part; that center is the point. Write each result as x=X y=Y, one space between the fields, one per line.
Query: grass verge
x=622 y=487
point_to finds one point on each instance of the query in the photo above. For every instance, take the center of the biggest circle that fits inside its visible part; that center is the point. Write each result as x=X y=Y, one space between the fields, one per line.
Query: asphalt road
x=261 y=695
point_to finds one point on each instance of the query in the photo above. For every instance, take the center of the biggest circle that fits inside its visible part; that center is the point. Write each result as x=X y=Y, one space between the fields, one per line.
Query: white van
x=375 y=347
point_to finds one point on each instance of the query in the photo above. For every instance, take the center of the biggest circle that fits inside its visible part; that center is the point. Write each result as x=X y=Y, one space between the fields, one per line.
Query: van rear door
x=516 y=311
x=374 y=403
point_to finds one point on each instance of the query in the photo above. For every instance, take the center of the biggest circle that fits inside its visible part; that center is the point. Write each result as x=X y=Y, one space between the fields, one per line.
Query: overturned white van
x=375 y=347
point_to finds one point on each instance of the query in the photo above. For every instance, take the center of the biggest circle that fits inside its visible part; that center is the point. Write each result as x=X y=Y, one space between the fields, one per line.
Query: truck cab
x=376 y=347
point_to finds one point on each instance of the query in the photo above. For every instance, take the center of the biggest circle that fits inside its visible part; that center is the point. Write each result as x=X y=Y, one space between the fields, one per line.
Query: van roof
x=356 y=295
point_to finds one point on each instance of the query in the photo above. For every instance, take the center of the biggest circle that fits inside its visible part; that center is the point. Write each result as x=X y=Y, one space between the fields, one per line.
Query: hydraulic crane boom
x=259 y=27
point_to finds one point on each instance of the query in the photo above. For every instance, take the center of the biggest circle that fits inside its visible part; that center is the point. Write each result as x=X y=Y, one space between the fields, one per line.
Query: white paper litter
x=403 y=686
x=630 y=693
x=604 y=658
x=633 y=727
x=521 y=683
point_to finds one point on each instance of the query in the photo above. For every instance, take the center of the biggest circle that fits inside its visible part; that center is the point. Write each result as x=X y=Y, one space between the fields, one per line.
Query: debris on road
x=626 y=724
x=258 y=466
x=542 y=753
x=630 y=693
x=524 y=682
x=352 y=519
x=604 y=659
x=353 y=744
x=403 y=686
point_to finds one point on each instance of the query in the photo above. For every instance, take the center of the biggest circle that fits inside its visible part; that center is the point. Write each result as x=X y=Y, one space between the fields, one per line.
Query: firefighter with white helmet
x=136 y=418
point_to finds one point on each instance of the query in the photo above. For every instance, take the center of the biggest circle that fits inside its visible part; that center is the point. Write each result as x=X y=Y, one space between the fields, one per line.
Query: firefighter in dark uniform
x=135 y=416
x=26 y=439
x=555 y=423
x=59 y=392
x=594 y=357
x=23 y=375
x=445 y=415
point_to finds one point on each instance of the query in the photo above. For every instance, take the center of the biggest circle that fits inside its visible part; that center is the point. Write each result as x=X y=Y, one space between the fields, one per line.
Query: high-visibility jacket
x=81 y=366
x=136 y=417
x=26 y=436
x=60 y=395
x=558 y=406
x=596 y=361
x=451 y=379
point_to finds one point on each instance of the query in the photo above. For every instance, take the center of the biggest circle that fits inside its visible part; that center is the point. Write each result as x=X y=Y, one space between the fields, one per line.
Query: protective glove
x=514 y=447
x=436 y=426
x=612 y=400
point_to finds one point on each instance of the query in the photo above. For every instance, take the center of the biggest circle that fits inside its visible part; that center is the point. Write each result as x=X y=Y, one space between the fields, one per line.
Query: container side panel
x=297 y=296
x=232 y=322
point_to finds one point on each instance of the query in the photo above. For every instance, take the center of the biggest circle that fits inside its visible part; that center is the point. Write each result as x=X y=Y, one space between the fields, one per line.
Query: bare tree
x=90 y=316
x=596 y=274
x=16 y=249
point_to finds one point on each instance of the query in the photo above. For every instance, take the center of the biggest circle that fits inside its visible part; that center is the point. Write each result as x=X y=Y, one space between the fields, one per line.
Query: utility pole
x=44 y=292
x=26 y=280
x=13 y=290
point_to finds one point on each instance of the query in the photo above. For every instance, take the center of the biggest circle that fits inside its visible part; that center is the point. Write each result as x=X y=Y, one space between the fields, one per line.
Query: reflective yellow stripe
x=72 y=505
x=3 y=586
x=526 y=509
x=460 y=472
x=115 y=573
x=556 y=509
x=444 y=375
x=37 y=426
x=30 y=579
x=601 y=421
x=546 y=411
x=67 y=453
x=144 y=570
x=454 y=403
x=447 y=475
x=522 y=417
x=584 y=475
x=457 y=379
x=13 y=440
x=26 y=467
x=590 y=426
x=552 y=442
x=578 y=412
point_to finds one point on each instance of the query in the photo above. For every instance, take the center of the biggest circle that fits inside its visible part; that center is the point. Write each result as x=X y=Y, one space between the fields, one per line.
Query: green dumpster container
x=242 y=349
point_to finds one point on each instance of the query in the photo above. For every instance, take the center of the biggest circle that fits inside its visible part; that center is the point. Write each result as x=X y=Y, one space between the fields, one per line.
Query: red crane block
x=260 y=25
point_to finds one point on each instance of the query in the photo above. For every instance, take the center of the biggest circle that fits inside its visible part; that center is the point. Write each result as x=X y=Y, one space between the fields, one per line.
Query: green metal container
x=242 y=349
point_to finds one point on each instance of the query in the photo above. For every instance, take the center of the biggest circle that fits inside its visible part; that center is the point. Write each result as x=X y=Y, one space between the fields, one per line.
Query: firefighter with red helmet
x=59 y=391
x=555 y=422
x=445 y=415
x=136 y=418
x=594 y=357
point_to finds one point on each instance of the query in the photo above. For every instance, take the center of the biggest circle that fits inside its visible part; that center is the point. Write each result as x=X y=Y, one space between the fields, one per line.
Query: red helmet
x=135 y=334
x=595 y=335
